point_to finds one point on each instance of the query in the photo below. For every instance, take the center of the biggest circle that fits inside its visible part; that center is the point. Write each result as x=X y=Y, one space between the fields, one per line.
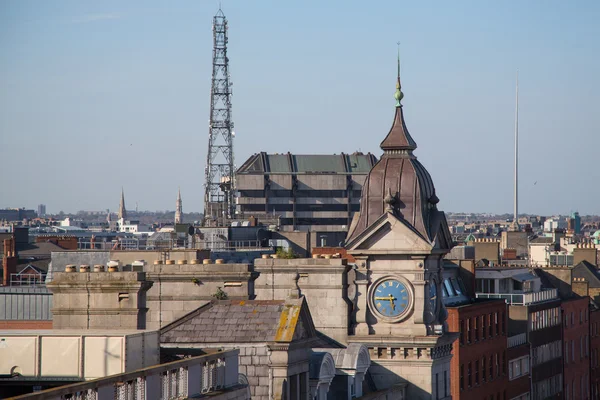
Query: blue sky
x=99 y=95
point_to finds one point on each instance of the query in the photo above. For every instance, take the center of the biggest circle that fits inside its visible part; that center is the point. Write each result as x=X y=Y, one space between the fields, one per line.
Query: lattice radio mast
x=219 y=173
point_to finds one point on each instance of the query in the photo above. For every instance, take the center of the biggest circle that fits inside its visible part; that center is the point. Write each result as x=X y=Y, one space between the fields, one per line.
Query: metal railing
x=190 y=377
x=521 y=299
x=34 y=279
x=516 y=340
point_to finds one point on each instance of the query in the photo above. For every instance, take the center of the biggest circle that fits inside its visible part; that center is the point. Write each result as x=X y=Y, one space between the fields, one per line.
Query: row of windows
x=314 y=221
x=518 y=367
x=482 y=327
x=547 y=387
x=584 y=349
x=546 y=352
x=299 y=207
x=484 y=369
x=584 y=389
x=545 y=318
x=583 y=316
x=299 y=193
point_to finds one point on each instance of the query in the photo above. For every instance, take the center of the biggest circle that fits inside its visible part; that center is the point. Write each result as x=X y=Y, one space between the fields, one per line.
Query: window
x=567 y=392
x=437 y=386
x=496 y=323
x=477 y=372
x=476 y=328
x=456 y=287
x=482 y=326
x=469 y=330
x=572 y=351
x=572 y=318
x=503 y=361
x=469 y=382
x=581 y=347
x=502 y=322
x=491 y=368
x=462 y=331
x=449 y=288
x=497 y=365
x=546 y=352
x=461 y=382
x=483 y=364
x=566 y=352
x=490 y=322
x=548 y=387
x=587 y=345
x=518 y=367
x=545 y=318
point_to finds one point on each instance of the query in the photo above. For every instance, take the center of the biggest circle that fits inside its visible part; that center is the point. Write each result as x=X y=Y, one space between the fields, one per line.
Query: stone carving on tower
x=399 y=239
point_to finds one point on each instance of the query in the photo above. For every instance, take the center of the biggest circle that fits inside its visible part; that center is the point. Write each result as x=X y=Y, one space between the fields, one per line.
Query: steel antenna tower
x=219 y=172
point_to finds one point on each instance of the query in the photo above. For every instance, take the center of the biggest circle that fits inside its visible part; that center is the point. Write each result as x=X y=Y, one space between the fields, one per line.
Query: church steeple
x=178 y=208
x=398 y=140
x=122 y=211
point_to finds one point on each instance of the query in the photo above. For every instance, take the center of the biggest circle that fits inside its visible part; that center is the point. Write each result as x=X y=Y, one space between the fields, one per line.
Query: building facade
x=479 y=364
x=576 y=356
x=317 y=193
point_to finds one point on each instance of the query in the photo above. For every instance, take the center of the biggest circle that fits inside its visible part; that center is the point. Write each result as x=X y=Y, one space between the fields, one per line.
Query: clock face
x=432 y=295
x=390 y=298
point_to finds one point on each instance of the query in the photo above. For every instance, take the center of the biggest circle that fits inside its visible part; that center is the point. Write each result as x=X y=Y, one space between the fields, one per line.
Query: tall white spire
x=515 y=224
x=178 y=208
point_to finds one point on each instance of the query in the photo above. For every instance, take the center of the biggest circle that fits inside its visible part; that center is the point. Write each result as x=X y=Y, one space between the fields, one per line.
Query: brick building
x=594 y=353
x=576 y=356
x=479 y=355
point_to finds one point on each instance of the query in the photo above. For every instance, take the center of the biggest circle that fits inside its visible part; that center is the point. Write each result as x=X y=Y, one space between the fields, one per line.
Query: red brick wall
x=66 y=242
x=595 y=353
x=25 y=324
x=576 y=331
x=475 y=346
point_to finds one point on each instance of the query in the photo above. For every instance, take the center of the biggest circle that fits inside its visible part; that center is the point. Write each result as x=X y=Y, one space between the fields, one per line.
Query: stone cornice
x=311 y=269
x=214 y=277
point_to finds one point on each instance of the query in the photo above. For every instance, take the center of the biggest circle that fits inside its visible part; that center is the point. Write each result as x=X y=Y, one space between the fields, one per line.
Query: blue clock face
x=391 y=298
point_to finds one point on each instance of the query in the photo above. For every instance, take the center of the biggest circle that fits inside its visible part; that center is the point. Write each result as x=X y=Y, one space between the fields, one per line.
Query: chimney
x=580 y=286
x=9 y=261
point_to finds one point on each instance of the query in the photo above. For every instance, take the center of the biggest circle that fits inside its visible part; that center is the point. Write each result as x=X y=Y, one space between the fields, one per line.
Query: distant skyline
x=99 y=95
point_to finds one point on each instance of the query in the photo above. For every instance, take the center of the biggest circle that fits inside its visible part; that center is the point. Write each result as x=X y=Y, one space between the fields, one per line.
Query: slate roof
x=263 y=163
x=242 y=321
x=588 y=271
x=37 y=249
x=542 y=239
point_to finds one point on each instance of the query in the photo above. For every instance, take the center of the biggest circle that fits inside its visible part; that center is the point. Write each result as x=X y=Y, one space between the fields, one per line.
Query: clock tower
x=399 y=239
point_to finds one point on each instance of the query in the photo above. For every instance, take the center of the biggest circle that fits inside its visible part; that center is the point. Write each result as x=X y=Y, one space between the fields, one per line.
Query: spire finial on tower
x=398 y=95
x=515 y=224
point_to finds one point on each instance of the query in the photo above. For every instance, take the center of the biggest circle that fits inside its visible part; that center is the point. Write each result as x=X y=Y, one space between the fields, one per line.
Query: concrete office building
x=310 y=193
